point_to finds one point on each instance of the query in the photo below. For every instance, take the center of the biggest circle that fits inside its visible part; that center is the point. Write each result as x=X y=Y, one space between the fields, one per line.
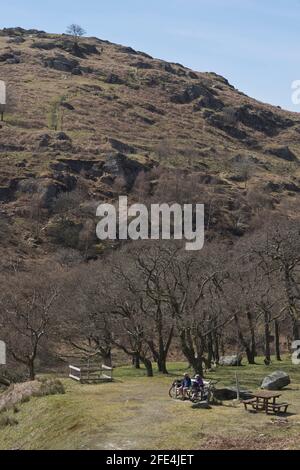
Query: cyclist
x=185 y=385
x=198 y=386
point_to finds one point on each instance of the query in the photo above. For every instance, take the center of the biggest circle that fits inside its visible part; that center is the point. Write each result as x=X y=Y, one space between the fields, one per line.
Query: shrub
x=50 y=387
x=6 y=420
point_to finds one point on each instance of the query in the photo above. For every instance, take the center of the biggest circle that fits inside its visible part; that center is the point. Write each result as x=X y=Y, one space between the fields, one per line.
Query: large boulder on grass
x=276 y=381
x=234 y=360
x=230 y=393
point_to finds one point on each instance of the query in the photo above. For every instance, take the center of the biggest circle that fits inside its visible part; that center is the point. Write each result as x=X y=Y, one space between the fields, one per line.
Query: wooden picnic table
x=263 y=399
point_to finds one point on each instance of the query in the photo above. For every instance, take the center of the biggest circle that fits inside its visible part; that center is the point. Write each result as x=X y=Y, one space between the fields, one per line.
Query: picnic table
x=265 y=400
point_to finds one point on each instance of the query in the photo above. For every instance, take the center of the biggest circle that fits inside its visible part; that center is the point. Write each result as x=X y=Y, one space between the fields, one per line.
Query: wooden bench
x=251 y=402
x=255 y=403
x=278 y=407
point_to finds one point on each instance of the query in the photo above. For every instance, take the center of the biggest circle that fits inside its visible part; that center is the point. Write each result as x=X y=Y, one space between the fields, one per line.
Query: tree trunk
x=194 y=359
x=217 y=348
x=136 y=361
x=148 y=364
x=253 y=340
x=160 y=354
x=249 y=348
x=210 y=352
x=107 y=360
x=296 y=335
x=277 y=340
x=250 y=355
x=162 y=365
x=267 y=337
x=31 y=369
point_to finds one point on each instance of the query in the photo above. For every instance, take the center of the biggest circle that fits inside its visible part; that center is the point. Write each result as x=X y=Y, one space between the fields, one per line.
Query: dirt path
x=145 y=412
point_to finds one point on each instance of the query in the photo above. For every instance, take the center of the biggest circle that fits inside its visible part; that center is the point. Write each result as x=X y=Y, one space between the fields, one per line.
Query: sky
x=255 y=44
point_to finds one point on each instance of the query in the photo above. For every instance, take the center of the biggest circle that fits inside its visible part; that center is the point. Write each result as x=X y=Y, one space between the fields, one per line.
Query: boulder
x=230 y=393
x=276 y=381
x=234 y=360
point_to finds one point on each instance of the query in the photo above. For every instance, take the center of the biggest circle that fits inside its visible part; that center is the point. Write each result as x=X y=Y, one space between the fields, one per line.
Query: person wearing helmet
x=197 y=387
x=185 y=385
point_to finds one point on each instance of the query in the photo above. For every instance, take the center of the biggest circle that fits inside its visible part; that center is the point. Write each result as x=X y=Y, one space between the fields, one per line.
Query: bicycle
x=205 y=393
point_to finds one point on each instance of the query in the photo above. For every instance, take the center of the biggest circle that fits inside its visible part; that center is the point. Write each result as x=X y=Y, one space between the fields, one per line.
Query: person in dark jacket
x=197 y=387
x=186 y=385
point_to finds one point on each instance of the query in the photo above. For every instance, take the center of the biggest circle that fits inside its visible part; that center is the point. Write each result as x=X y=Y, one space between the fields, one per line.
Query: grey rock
x=276 y=381
x=234 y=360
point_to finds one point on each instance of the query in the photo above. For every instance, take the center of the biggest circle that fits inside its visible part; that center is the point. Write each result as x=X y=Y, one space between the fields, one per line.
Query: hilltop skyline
x=253 y=45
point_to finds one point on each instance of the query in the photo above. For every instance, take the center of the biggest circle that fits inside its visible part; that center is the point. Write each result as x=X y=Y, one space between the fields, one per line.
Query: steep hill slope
x=83 y=116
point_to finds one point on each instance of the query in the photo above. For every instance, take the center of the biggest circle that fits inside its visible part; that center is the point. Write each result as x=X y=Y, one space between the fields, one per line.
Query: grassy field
x=135 y=412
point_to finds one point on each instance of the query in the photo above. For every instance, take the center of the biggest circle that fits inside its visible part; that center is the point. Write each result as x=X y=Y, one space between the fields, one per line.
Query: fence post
x=237 y=386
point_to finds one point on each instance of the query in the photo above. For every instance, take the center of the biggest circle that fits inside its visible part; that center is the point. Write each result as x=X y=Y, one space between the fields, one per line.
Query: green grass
x=135 y=412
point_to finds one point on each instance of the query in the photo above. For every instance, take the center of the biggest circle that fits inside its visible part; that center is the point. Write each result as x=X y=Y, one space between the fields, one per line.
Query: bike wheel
x=173 y=392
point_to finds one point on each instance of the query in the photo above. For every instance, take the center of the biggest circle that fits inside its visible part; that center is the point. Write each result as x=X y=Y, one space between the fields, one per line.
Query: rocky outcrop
x=21 y=32
x=47 y=188
x=140 y=64
x=227 y=124
x=276 y=381
x=121 y=165
x=58 y=141
x=114 y=79
x=262 y=120
x=90 y=167
x=79 y=50
x=209 y=101
x=10 y=58
x=63 y=64
x=191 y=93
x=121 y=147
x=282 y=152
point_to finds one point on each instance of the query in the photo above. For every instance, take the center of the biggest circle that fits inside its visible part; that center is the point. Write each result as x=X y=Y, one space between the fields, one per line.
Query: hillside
x=81 y=119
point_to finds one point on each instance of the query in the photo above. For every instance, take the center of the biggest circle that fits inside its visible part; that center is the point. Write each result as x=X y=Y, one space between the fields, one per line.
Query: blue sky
x=255 y=44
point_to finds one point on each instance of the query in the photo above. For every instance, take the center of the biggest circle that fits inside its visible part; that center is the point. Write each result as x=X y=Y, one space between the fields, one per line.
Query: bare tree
x=27 y=315
x=76 y=31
